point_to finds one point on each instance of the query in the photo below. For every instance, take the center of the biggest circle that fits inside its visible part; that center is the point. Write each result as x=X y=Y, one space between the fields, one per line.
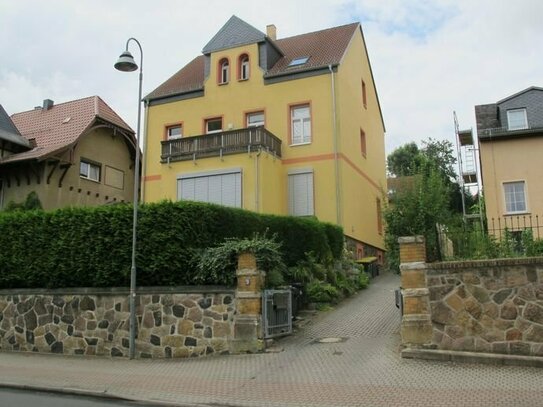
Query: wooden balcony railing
x=219 y=144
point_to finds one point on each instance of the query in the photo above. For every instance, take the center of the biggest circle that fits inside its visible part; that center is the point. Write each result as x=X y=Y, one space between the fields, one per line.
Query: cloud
x=429 y=57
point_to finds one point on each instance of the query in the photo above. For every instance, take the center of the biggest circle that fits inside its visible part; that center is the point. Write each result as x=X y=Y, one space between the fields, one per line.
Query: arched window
x=224 y=71
x=243 y=66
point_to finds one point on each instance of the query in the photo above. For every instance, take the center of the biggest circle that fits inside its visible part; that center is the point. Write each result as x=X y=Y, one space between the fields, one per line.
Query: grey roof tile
x=234 y=33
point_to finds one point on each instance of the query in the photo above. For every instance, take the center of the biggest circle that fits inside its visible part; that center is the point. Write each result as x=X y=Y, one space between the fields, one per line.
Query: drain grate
x=330 y=340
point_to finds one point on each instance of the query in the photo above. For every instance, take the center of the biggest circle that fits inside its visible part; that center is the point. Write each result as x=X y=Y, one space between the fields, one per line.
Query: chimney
x=47 y=104
x=271 y=31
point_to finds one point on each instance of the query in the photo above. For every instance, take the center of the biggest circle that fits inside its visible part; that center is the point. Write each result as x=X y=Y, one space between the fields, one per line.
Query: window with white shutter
x=223 y=188
x=300 y=193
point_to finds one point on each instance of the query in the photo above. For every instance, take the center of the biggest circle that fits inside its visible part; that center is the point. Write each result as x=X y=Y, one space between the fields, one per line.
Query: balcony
x=219 y=144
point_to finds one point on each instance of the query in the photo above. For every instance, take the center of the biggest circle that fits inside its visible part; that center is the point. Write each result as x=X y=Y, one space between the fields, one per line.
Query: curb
x=93 y=394
x=473 y=357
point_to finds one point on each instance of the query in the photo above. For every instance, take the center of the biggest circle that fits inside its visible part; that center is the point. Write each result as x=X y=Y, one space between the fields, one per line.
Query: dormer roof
x=234 y=33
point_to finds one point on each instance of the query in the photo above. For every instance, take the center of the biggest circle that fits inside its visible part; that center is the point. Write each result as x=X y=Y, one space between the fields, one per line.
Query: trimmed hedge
x=91 y=247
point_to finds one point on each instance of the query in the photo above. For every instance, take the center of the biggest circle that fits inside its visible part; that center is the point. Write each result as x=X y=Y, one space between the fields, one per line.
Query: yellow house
x=510 y=134
x=288 y=126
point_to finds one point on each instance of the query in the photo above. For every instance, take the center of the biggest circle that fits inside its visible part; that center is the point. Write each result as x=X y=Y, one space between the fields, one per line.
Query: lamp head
x=126 y=62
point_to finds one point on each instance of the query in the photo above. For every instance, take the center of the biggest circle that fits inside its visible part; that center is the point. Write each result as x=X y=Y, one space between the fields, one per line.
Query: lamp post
x=126 y=63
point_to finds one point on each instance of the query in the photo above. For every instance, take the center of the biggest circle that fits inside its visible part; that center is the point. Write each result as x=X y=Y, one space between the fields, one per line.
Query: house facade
x=510 y=136
x=78 y=153
x=288 y=126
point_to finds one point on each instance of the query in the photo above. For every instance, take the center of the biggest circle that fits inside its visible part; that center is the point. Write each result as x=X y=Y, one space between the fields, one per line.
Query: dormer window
x=224 y=71
x=243 y=65
x=298 y=61
x=516 y=119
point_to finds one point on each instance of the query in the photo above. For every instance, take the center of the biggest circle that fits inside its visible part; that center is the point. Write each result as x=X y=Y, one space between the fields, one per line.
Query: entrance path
x=365 y=369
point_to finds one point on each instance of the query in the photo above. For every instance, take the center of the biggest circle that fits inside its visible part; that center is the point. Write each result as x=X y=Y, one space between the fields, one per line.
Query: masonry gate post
x=248 y=319
x=416 y=328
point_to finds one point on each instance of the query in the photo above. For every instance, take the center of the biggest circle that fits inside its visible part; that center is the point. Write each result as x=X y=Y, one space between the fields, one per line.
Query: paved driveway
x=363 y=370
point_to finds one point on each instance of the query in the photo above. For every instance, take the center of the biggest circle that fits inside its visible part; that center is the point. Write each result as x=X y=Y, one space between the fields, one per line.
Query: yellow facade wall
x=233 y=100
x=525 y=153
x=99 y=146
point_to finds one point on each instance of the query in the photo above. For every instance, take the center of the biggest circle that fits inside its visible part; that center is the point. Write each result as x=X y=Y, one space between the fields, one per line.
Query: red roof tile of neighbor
x=60 y=126
x=325 y=47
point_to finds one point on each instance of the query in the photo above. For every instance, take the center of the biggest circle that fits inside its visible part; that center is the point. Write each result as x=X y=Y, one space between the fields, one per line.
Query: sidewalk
x=365 y=369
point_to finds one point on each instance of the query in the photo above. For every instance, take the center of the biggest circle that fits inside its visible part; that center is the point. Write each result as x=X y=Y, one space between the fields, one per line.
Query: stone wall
x=180 y=322
x=487 y=306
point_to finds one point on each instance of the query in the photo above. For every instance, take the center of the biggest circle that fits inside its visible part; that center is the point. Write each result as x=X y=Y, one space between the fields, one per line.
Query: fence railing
x=498 y=131
x=508 y=236
x=219 y=144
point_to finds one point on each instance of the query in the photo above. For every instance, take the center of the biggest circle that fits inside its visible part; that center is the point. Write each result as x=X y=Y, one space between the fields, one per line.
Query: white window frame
x=175 y=126
x=512 y=112
x=512 y=203
x=304 y=122
x=301 y=174
x=213 y=119
x=85 y=168
x=257 y=123
x=244 y=68
x=225 y=71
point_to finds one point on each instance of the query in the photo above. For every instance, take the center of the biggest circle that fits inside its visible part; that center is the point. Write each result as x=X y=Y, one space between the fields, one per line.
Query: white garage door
x=222 y=188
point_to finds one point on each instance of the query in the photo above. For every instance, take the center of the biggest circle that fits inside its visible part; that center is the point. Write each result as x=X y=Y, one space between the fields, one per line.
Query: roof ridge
x=55 y=105
x=318 y=31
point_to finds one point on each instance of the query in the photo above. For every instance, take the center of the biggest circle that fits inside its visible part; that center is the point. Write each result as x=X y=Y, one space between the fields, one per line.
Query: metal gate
x=277 y=313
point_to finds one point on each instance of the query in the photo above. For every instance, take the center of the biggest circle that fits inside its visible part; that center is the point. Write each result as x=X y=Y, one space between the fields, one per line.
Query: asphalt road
x=29 y=398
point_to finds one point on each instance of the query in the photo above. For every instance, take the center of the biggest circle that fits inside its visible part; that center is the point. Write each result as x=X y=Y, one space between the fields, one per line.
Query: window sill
x=300 y=144
x=524 y=213
x=222 y=83
x=89 y=179
x=243 y=79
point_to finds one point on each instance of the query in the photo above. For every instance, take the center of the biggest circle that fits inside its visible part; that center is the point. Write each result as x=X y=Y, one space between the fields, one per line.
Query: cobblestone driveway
x=363 y=370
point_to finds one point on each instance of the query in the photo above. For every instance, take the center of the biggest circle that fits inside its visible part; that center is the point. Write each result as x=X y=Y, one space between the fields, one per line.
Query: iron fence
x=508 y=236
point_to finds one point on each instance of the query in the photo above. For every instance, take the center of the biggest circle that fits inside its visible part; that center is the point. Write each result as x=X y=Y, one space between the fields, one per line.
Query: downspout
x=336 y=155
x=144 y=154
x=257 y=177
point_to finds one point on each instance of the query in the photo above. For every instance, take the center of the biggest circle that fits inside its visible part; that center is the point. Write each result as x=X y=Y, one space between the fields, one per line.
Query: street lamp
x=126 y=63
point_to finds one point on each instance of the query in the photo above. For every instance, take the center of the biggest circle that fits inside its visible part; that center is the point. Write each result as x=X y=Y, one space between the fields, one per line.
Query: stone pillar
x=248 y=318
x=416 y=320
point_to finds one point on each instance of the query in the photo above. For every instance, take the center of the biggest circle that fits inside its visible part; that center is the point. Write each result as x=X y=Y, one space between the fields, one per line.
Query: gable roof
x=519 y=93
x=8 y=131
x=325 y=47
x=190 y=78
x=59 y=127
x=234 y=33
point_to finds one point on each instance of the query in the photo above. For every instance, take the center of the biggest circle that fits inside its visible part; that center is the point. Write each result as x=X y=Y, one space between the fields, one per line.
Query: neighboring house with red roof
x=274 y=125
x=78 y=153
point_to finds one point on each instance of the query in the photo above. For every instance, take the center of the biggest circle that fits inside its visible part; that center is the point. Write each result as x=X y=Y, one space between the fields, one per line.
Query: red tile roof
x=58 y=127
x=325 y=47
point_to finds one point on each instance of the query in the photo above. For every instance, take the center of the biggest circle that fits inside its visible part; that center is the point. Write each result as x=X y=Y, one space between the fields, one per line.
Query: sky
x=429 y=57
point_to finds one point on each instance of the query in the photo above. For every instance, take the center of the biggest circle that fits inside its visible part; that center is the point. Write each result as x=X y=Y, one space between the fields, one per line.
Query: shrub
x=318 y=291
x=92 y=246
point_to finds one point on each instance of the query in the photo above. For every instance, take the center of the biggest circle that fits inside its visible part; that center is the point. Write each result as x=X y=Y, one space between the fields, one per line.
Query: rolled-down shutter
x=222 y=189
x=300 y=194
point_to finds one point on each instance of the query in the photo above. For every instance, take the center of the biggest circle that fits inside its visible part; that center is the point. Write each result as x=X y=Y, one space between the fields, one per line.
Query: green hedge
x=92 y=246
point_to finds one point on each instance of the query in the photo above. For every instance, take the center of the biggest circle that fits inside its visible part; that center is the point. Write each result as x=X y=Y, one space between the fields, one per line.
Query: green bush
x=318 y=291
x=92 y=246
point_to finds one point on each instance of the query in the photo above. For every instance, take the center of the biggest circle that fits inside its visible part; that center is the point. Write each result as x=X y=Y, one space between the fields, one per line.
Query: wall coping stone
x=411 y=239
x=200 y=289
x=415 y=292
x=248 y=294
x=416 y=318
x=415 y=265
x=520 y=261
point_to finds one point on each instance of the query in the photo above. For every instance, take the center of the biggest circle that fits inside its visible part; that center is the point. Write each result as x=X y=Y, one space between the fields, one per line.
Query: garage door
x=222 y=188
